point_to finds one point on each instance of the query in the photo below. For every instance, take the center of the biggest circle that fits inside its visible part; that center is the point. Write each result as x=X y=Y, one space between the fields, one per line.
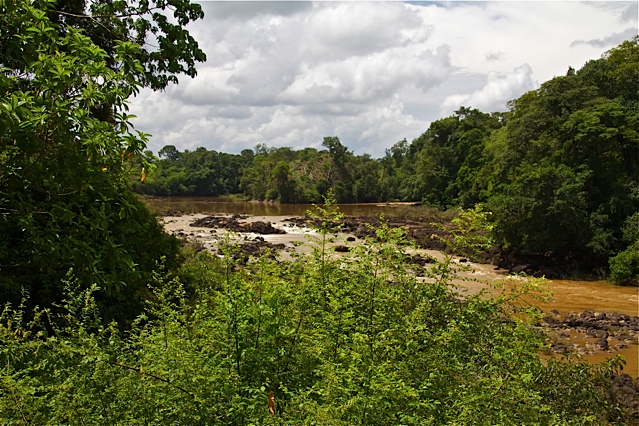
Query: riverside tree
x=568 y=159
x=67 y=145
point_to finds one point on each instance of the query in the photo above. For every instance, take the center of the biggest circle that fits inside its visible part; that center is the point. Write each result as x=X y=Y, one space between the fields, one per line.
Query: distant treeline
x=558 y=171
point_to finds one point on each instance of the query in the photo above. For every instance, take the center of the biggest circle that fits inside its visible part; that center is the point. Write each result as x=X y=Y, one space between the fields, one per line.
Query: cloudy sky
x=371 y=72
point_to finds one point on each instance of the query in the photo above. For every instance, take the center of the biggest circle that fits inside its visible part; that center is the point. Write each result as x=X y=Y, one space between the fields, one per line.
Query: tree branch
x=139 y=370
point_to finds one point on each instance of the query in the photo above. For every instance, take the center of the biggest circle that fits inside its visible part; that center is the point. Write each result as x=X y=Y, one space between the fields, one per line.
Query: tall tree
x=67 y=143
x=564 y=172
x=450 y=156
x=339 y=176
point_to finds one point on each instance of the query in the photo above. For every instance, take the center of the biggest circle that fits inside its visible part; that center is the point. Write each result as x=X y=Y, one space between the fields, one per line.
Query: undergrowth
x=324 y=340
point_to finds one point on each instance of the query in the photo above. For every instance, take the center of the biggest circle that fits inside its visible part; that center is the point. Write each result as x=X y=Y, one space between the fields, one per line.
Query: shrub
x=326 y=339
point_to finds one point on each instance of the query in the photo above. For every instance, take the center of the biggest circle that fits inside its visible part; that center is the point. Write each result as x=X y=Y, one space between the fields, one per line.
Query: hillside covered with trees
x=559 y=172
x=106 y=319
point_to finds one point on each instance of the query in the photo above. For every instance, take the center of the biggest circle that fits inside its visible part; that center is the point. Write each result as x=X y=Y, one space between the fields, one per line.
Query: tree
x=624 y=267
x=169 y=152
x=167 y=48
x=450 y=157
x=563 y=173
x=64 y=165
x=282 y=187
x=338 y=175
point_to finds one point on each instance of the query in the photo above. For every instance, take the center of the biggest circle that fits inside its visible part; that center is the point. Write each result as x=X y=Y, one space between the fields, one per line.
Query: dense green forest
x=559 y=171
x=107 y=320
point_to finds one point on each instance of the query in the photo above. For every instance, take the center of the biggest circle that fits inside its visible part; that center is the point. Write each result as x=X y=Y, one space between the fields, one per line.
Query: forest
x=106 y=319
x=559 y=171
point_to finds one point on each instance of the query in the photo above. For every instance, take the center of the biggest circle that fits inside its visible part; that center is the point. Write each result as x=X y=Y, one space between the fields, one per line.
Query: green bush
x=624 y=267
x=67 y=150
x=354 y=339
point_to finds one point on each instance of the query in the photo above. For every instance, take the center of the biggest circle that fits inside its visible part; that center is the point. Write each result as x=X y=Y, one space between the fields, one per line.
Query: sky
x=370 y=72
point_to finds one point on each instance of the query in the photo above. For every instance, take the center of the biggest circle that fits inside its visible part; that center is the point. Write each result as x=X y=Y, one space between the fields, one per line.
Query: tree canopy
x=157 y=27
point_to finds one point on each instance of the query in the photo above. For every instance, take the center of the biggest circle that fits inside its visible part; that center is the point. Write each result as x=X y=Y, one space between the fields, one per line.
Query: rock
x=421 y=260
x=586 y=315
x=625 y=390
x=342 y=249
x=559 y=348
x=518 y=269
x=572 y=320
x=553 y=316
x=351 y=239
x=233 y=224
x=598 y=316
x=546 y=272
x=602 y=344
x=264 y=228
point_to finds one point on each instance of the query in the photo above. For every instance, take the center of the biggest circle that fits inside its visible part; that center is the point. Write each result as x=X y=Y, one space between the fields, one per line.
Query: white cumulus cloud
x=498 y=90
x=373 y=73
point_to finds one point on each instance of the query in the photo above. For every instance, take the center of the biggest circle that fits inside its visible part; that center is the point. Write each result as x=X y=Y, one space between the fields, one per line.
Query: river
x=568 y=295
x=211 y=205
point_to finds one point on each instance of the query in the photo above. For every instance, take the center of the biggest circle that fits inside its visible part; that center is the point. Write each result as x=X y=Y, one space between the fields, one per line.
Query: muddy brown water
x=568 y=295
x=211 y=205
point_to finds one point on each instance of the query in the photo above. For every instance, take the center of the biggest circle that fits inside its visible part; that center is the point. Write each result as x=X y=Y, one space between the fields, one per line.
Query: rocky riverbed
x=598 y=334
x=600 y=331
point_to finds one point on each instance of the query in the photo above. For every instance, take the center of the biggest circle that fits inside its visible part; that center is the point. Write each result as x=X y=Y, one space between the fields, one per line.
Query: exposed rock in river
x=625 y=391
x=420 y=231
x=233 y=224
x=254 y=248
x=603 y=328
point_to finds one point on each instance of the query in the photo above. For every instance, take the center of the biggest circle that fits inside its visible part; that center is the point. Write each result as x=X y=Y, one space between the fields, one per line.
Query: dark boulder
x=233 y=224
x=602 y=344
x=559 y=348
x=517 y=269
x=624 y=391
x=263 y=228
x=546 y=272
